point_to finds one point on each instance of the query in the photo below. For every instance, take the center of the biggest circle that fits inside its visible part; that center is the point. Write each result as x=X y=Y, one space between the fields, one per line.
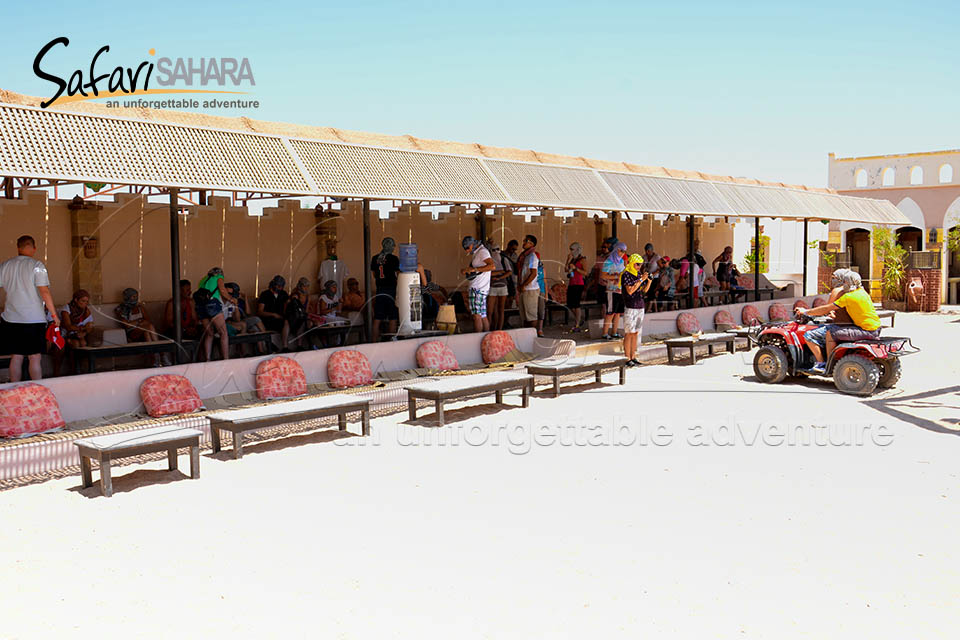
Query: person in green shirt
x=210 y=296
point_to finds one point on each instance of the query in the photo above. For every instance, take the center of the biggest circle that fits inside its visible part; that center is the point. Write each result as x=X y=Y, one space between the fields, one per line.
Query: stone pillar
x=85 y=246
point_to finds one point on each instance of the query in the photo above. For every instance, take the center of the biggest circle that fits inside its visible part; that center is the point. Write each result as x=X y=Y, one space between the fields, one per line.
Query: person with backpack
x=528 y=287
x=576 y=269
x=210 y=295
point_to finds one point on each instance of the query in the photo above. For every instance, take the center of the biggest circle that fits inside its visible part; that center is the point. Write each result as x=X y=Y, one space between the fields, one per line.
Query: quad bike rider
x=856 y=357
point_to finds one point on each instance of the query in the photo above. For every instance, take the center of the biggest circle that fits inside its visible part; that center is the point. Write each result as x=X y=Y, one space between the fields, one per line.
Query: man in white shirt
x=23 y=324
x=528 y=286
x=651 y=259
x=334 y=269
x=481 y=264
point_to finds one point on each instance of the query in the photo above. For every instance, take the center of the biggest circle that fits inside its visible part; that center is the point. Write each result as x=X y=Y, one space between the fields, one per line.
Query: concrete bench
x=462 y=387
x=567 y=366
x=690 y=343
x=107 y=448
x=241 y=421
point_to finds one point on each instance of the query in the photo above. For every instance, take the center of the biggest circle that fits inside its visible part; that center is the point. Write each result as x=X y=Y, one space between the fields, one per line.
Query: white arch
x=888 y=177
x=952 y=217
x=860 y=178
x=913 y=211
x=946 y=173
x=916 y=175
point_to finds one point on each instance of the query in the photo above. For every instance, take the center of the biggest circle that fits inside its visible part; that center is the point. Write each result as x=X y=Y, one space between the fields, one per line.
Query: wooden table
x=710 y=340
x=555 y=368
x=742 y=333
x=241 y=421
x=107 y=448
x=425 y=333
x=469 y=386
x=130 y=349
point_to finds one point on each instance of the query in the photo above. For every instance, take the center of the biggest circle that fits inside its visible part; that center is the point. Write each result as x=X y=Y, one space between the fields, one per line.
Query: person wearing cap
x=613 y=304
x=478 y=273
x=23 y=324
x=634 y=283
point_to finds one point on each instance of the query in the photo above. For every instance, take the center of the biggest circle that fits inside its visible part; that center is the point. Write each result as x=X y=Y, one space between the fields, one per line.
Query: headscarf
x=387 y=245
x=851 y=281
x=614 y=261
x=576 y=249
x=130 y=299
x=836 y=279
x=633 y=262
x=216 y=271
x=78 y=315
x=469 y=243
x=328 y=288
x=303 y=284
x=233 y=288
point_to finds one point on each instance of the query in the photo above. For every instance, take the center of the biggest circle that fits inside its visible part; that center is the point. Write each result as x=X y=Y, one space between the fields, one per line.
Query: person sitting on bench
x=855 y=301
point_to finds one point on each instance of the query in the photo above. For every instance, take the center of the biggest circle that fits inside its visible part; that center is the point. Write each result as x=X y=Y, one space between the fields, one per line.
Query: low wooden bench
x=555 y=368
x=463 y=387
x=742 y=333
x=241 y=421
x=887 y=313
x=107 y=448
x=690 y=343
x=130 y=349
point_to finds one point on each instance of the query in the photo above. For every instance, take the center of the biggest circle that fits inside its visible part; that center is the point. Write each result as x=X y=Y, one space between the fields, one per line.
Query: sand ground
x=666 y=508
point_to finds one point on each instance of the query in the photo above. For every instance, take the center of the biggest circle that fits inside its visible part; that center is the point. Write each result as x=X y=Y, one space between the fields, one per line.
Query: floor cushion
x=168 y=395
x=799 y=303
x=348 y=368
x=687 y=324
x=436 y=355
x=28 y=408
x=819 y=302
x=745 y=281
x=711 y=282
x=559 y=293
x=495 y=345
x=723 y=320
x=280 y=377
x=750 y=316
x=779 y=313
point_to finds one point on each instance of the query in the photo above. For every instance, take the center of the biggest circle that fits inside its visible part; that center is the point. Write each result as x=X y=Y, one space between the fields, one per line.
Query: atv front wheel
x=889 y=373
x=770 y=364
x=856 y=375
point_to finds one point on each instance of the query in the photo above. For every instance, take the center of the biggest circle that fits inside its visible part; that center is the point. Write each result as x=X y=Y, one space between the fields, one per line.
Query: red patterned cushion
x=750 y=316
x=779 y=313
x=349 y=368
x=28 y=408
x=724 y=320
x=436 y=355
x=280 y=377
x=819 y=302
x=687 y=324
x=559 y=292
x=495 y=345
x=711 y=282
x=169 y=395
x=745 y=281
x=799 y=303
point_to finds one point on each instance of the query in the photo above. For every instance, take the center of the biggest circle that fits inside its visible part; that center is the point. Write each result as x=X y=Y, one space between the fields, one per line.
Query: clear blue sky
x=753 y=89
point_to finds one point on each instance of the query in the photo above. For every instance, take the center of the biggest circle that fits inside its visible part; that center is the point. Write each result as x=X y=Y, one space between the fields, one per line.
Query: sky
x=756 y=89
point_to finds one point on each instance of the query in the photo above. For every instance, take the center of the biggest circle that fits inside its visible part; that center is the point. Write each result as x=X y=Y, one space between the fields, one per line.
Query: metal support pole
x=806 y=254
x=202 y=197
x=756 y=259
x=691 y=280
x=482 y=219
x=367 y=273
x=614 y=215
x=175 y=272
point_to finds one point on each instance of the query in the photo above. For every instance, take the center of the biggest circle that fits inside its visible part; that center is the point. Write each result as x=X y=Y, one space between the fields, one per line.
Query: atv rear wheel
x=890 y=371
x=856 y=375
x=770 y=364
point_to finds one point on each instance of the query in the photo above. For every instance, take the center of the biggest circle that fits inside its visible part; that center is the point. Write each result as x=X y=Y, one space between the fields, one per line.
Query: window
x=888 y=177
x=946 y=173
x=860 y=177
x=916 y=175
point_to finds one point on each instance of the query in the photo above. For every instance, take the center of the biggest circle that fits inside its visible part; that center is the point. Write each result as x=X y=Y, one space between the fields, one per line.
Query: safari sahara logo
x=180 y=75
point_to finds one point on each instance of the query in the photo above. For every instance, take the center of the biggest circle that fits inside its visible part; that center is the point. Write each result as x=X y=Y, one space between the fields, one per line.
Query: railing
x=923 y=260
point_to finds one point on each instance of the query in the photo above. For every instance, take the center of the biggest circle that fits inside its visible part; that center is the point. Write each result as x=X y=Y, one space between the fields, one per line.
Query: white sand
x=317 y=536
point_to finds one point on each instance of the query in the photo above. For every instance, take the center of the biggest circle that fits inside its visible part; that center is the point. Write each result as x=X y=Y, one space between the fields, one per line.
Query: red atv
x=857 y=368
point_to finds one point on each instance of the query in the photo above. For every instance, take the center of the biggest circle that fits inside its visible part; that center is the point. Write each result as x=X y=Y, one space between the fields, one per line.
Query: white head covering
x=576 y=249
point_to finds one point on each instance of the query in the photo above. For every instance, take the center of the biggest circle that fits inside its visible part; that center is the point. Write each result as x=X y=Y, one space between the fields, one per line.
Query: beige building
x=925 y=186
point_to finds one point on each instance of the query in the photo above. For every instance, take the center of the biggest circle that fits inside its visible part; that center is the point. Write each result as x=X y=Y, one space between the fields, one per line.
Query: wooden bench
x=690 y=343
x=567 y=366
x=117 y=350
x=742 y=333
x=107 y=448
x=241 y=421
x=462 y=387
x=887 y=313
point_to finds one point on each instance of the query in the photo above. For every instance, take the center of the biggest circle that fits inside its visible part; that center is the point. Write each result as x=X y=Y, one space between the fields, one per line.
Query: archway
x=859 y=251
x=917 y=222
x=910 y=238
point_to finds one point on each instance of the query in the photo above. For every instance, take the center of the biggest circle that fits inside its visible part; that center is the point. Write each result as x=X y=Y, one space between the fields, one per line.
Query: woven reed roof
x=86 y=141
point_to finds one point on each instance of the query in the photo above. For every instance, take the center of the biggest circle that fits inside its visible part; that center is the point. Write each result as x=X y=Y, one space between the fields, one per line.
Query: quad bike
x=857 y=368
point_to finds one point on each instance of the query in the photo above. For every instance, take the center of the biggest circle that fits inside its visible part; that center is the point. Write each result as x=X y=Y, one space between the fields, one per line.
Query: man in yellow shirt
x=856 y=301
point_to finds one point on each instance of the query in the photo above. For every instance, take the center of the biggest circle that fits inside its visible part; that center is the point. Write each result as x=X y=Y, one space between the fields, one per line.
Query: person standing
x=23 y=324
x=575 y=267
x=610 y=278
x=210 y=311
x=481 y=265
x=528 y=289
x=385 y=267
x=499 y=288
x=634 y=283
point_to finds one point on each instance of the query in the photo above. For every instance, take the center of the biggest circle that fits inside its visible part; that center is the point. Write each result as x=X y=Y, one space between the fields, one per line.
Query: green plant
x=892 y=258
x=747 y=265
x=953 y=239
